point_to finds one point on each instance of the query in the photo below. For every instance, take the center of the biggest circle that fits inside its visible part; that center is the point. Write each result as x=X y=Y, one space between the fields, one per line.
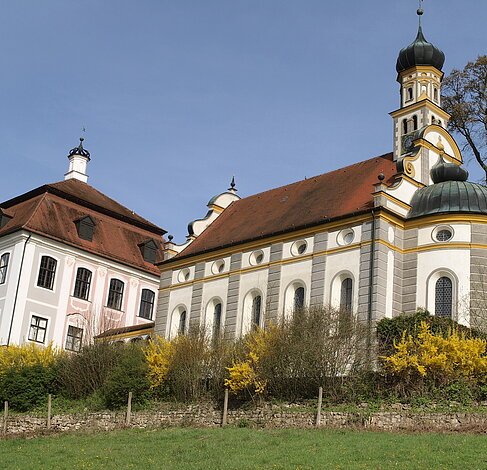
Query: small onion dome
x=79 y=150
x=420 y=52
x=451 y=192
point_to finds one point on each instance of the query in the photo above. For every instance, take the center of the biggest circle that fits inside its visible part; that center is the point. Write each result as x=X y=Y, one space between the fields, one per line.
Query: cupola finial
x=232 y=187
x=78 y=160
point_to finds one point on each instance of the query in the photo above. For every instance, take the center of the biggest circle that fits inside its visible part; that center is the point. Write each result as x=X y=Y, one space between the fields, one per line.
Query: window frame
x=74 y=338
x=46 y=272
x=256 y=313
x=4 y=267
x=146 y=304
x=115 y=298
x=346 y=294
x=82 y=282
x=443 y=304
x=37 y=328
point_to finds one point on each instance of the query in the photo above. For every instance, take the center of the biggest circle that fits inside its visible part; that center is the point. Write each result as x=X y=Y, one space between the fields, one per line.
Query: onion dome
x=420 y=52
x=451 y=192
x=79 y=150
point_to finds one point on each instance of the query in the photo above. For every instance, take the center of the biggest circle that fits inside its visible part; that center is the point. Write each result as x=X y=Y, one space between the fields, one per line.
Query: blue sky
x=178 y=96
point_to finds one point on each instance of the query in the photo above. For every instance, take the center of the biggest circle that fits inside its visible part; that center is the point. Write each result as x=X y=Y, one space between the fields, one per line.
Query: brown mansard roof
x=306 y=203
x=51 y=210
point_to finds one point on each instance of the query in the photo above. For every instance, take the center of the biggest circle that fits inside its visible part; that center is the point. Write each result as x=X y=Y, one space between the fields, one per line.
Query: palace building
x=381 y=237
x=74 y=263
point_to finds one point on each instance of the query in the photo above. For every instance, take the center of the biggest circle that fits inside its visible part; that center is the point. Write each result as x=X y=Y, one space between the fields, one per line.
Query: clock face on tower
x=407 y=142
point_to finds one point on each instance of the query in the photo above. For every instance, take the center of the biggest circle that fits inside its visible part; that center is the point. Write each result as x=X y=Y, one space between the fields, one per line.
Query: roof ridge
x=315 y=176
x=41 y=199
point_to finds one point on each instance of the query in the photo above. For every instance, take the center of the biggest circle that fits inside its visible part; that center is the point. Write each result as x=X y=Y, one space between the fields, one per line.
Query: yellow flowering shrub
x=158 y=354
x=245 y=375
x=446 y=357
x=28 y=354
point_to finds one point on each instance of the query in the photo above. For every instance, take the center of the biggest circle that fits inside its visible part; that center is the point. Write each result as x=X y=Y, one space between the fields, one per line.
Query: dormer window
x=4 y=219
x=149 y=251
x=85 y=228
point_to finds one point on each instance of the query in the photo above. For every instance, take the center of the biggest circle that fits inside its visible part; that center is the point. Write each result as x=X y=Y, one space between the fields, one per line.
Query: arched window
x=217 y=321
x=435 y=94
x=346 y=291
x=146 y=304
x=47 y=271
x=443 y=297
x=404 y=126
x=256 y=311
x=298 y=298
x=82 y=284
x=115 y=294
x=3 y=267
x=182 y=323
x=415 y=122
x=410 y=94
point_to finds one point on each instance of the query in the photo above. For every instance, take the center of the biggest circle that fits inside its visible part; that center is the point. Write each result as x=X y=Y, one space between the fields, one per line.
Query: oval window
x=442 y=234
x=183 y=275
x=345 y=237
x=299 y=248
x=257 y=257
x=218 y=266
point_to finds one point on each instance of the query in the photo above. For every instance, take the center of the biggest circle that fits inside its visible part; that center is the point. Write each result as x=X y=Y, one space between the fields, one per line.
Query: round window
x=218 y=266
x=345 y=237
x=299 y=247
x=443 y=235
x=257 y=257
x=183 y=275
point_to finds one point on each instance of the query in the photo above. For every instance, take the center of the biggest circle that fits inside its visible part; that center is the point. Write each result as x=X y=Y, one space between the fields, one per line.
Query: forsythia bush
x=244 y=375
x=29 y=354
x=442 y=358
x=158 y=354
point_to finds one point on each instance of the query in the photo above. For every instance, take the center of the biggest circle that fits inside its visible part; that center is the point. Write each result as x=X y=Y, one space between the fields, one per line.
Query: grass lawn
x=234 y=448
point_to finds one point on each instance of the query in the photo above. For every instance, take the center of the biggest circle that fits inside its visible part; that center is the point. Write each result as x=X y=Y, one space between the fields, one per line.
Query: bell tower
x=419 y=73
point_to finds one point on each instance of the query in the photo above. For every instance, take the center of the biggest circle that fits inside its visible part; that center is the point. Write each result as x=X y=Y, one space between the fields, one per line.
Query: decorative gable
x=85 y=228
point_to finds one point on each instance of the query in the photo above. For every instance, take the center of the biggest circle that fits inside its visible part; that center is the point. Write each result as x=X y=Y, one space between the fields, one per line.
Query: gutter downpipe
x=371 y=289
x=17 y=290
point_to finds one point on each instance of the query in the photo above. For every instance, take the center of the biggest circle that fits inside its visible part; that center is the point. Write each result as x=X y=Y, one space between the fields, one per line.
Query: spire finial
x=232 y=187
x=420 y=12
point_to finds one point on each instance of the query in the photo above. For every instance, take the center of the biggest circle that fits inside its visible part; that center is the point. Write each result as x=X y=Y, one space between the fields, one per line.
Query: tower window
x=115 y=294
x=415 y=122
x=435 y=94
x=146 y=304
x=85 y=228
x=410 y=93
x=82 y=284
x=47 y=271
x=3 y=267
x=404 y=126
x=443 y=297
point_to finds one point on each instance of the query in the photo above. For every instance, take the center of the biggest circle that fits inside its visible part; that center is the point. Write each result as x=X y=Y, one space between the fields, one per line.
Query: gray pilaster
x=478 y=278
x=317 y=294
x=273 y=284
x=410 y=272
x=163 y=304
x=233 y=296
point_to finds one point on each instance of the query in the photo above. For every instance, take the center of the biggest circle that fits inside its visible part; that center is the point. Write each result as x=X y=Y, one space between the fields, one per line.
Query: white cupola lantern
x=78 y=161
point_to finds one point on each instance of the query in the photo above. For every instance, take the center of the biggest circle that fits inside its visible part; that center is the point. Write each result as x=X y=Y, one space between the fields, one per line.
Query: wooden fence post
x=129 y=410
x=225 y=408
x=49 y=408
x=320 y=401
x=5 y=417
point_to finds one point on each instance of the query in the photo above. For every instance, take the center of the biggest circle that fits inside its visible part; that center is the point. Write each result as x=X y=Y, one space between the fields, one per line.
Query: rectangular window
x=47 y=271
x=3 y=267
x=146 y=304
x=82 y=284
x=115 y=294
x=38 y=328
x=74 y=338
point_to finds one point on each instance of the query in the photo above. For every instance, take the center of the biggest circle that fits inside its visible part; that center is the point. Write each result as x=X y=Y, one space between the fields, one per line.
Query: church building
x=74 y=263
x=381 y=237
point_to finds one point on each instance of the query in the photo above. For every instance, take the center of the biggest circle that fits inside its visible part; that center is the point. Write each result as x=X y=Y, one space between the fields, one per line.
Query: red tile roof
x=309 y=202
x=52 y=209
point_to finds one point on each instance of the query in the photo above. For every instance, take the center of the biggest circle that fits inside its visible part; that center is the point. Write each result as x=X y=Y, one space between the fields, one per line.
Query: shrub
x=27 y=386
x=438 y=359
x=84 y=373
x=158 y=354
x=129 y=375
x=29 y=354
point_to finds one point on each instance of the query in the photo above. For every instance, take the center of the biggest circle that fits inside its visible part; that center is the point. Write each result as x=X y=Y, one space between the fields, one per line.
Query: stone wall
x=268 y=416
